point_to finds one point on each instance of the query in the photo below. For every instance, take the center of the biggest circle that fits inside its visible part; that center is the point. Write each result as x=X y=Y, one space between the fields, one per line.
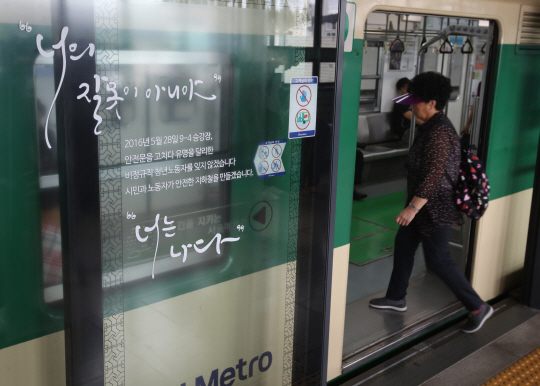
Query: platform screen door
x=188 y=192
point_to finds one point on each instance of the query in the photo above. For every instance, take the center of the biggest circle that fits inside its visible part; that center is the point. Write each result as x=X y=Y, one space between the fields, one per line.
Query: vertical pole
x=333 y=183
x=79 y=197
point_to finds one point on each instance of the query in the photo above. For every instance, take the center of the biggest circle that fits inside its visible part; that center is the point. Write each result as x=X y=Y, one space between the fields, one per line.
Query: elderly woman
x=431 y=210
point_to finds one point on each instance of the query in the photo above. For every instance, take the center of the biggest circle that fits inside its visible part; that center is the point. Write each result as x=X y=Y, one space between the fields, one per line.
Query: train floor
x=369 y=332
x=373 y=228
x=491 y=356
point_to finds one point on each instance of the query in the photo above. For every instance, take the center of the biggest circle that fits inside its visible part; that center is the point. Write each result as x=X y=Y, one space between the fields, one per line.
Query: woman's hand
x=406 y=216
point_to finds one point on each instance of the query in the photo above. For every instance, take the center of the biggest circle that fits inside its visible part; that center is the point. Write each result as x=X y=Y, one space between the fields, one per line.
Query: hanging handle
x=446 y=47
x=424 y=40
x=397 y=46
x=469 y=49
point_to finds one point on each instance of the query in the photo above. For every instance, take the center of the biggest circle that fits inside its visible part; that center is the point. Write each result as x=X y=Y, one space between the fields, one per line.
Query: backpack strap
x=471 y=147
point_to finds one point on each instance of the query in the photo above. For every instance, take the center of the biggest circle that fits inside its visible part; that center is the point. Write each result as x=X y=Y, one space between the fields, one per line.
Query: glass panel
x=370 y=61
x=48 y=182
x=201 y=111
x=456 y=70
x=329 y=23
x=31 y=253
x=199 y=239
x=369 y=88
x=208 y=188
x=368 y=92
x=429 y=62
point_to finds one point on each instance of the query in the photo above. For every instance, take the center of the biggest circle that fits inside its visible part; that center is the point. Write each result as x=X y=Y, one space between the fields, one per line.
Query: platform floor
x=526 y=371
x=452 y=357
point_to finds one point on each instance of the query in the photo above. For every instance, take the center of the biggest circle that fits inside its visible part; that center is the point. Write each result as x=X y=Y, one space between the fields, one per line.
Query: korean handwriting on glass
x=111 y=87
x=61 y=45
x=170 y=227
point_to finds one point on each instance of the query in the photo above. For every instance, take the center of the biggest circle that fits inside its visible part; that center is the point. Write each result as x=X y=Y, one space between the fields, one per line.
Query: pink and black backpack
x=471 y=192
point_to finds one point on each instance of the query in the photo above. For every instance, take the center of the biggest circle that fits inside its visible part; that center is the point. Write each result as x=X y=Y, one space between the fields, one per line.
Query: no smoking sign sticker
x=267 y=159
x=303 y=107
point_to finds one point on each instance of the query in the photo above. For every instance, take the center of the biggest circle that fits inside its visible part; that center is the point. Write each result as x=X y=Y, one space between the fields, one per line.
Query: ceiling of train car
x=385 y=26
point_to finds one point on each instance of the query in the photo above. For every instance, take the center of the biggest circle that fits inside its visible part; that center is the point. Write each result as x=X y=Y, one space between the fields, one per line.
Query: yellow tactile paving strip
x=526 y=371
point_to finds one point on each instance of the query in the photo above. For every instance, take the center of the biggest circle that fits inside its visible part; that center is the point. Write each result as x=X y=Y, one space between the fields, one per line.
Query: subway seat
x=381 y=142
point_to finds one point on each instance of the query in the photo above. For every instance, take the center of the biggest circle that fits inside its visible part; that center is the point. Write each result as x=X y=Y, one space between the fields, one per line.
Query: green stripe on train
x=515 y=128
x=350 y=97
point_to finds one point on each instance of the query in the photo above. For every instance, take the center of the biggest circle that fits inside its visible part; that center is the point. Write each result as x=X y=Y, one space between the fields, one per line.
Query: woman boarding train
x=431 y=211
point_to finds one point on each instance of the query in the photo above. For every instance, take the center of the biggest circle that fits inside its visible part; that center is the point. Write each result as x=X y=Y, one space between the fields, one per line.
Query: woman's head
x=431 y=86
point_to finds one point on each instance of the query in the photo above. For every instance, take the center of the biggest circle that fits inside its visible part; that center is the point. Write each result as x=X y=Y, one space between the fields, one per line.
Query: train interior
x=391 y=45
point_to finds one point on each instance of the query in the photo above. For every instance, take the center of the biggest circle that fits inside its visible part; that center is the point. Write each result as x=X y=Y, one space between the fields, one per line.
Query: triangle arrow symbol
x=260 y=216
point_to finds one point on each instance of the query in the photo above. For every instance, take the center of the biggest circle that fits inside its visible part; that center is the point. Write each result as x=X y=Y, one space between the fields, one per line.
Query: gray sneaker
x=475 y=322
x=384 y=303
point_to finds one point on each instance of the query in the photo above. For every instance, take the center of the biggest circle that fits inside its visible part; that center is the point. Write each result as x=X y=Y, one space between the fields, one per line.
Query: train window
x=370 y=87
x=371 y=59
x=368 y=93
x=456 y=71
x=430 y=59
x=329 y=25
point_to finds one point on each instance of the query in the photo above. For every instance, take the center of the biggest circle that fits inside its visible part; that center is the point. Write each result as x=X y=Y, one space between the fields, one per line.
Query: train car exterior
x=260 y=275
x=501 y=235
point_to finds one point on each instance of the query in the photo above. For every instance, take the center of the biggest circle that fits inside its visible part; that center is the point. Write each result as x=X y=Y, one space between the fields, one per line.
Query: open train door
x=399 y=45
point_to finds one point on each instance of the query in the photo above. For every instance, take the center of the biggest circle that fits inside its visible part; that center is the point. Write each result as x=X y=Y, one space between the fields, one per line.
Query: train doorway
x=391 y=52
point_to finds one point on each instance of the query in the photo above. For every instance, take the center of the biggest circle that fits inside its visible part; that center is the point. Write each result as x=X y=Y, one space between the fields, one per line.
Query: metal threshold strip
x=392 y=341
